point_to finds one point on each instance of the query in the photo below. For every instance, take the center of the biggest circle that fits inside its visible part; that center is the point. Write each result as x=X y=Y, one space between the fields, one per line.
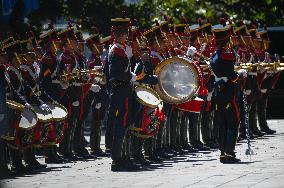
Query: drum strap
x=140 y=76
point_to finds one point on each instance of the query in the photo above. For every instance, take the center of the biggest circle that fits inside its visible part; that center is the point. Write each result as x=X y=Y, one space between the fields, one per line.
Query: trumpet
x=94 y=75
x=276 y=66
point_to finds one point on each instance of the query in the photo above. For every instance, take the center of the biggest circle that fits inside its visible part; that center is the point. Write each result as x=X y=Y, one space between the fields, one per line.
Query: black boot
x=100 y=153
x=17 y=166
x=267 y=130
x=229 y=159
x=31 y=163
x=256 y=132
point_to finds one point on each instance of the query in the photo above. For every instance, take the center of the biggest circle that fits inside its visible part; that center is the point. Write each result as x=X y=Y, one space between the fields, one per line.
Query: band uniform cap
x=221 y=32
x=48 y=36
x=66 y=33
x=263 y=34
x=153 y=34
x=180 y=29
x=12 y=47
x=206 y=28
x=107 y=40
x=120 y=23
x=242 y=30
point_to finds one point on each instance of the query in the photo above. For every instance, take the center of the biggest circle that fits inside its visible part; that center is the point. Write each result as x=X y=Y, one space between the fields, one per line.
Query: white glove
x=242 y=72
x=77 y=84
x=98 y=105
x=263 y=90
x=95 y=88
x=191 y=51
x=2 y=117
x=209 y=96
x=247 y=92
x=133 y=78
x=28 y=106
x=63 y=85
x=45 y=107
x=76 y=103
x=128 y=51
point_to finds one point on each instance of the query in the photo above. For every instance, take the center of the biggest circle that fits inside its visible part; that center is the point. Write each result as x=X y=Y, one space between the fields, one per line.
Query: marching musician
x=227 y=111
x=100 y=99
x=86 y=88
x=268 y=83
x=120 y=78
x=158 y=45
x=4 y=129
x=17 y=92
x=69 y=64
x=48 y=79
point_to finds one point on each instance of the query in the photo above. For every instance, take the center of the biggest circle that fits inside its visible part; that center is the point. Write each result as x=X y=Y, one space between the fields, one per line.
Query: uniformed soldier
x=4 y=171
x=195 y=118
x=120 y=77
x=99 y=99
x=227 y=111
x=267 y=85
x=17 y=93
x=48 y=79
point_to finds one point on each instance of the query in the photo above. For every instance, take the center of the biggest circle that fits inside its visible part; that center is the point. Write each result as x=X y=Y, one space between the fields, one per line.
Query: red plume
x=199 y=21
x=123 y=13
x=185 y=20
x=95 y=29
x=265 y=27
x=78 y=27
x=222 y=21
x=50 y=26
x=69 y=24
x=208 y=20
x=166 y=17
x=157 y=22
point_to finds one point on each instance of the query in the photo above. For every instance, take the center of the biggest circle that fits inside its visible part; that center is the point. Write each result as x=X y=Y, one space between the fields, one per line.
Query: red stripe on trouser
x=236 y=108
x=126 y=113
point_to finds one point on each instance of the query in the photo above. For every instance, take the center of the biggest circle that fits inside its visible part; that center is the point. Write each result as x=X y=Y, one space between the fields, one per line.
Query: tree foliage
x=99 y=12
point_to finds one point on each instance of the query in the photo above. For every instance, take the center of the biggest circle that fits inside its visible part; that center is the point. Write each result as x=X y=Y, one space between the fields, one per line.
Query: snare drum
x=179 y=79
x=59 y=114
x=43 y=116
x=25 y=132
x=152 y=112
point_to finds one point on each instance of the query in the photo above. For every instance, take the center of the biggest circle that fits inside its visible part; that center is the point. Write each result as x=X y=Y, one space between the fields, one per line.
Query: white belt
x=252 y=73
x=77 y=84
x=55 y=81
x=217 y=79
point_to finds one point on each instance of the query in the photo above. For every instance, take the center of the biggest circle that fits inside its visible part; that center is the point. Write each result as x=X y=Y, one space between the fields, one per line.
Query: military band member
x=268 y=83
x=48 y=79
x=227 y=110
x=99 y=101
x=120 y=77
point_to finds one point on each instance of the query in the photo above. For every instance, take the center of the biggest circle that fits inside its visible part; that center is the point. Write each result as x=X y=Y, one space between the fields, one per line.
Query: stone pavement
x=202 y=169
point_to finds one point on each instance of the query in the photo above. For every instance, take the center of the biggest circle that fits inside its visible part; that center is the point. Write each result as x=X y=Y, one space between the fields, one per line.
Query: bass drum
x=179 y=79
x=152 y=112
x=194 y=105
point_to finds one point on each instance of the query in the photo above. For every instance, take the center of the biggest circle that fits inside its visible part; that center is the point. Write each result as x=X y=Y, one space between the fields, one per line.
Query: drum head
x=59 y=112
x=28 y=119
x=147 y=96
x=42 y=115
x=178 y=80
